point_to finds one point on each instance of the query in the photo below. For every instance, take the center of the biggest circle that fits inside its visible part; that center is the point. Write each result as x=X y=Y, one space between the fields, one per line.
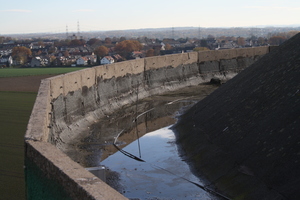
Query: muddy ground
x=22 y=84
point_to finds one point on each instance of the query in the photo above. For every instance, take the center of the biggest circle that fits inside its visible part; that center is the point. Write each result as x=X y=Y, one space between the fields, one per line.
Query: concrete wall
x=68 y=103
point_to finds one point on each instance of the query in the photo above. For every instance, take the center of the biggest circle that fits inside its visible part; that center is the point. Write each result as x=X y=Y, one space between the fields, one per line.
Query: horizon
x=98 y=15
x=156 y=29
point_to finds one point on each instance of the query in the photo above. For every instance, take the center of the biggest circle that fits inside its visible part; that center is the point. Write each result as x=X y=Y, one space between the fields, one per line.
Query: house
x=87 y=60
x=6 y=60
x=107 y=60
x=137 y=54
x=92 y=59
x=82 y=61
x=38 y=62
x=117 y=58
x=58 y=61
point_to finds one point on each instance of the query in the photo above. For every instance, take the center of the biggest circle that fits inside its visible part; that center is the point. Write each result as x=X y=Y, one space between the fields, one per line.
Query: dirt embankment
x=22 y=84
x=244 y=137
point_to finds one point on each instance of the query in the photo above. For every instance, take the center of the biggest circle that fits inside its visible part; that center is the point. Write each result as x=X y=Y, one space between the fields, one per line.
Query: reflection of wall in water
x=98 y=144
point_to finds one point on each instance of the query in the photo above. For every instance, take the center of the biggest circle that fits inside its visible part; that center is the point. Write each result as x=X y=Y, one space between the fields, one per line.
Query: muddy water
x=142 y=131
x=162 y=174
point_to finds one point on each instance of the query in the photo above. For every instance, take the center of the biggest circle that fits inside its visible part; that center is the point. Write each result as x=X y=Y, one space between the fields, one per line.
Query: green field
x=14 y=72
x=15 y=109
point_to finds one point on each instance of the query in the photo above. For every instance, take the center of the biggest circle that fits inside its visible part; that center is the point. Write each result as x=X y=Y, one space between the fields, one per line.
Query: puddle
x=163 y=175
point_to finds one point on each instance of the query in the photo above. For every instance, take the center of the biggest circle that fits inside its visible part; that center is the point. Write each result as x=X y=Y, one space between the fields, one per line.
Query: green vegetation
x=13 y=72
x=15 y=109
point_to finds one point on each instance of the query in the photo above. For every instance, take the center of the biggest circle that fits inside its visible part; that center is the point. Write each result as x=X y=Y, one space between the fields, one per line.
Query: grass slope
x=15 y=109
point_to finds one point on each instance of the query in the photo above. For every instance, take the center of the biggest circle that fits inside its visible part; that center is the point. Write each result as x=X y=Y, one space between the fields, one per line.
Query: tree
x=93 y=41
x=52 y=49
x=41 y=43
x=291 y=34
x=261 y=40
x=122 y=39
x=276 y=40
x=20 y=54
x=201 y=49
x=203 y=43
x=77 y=42
x=66 y=54
x=101 y=51
x=62 y=43
x=168 y=47
x=107 y=40
x=125 y=47
x=150 y=53
x=241 y=41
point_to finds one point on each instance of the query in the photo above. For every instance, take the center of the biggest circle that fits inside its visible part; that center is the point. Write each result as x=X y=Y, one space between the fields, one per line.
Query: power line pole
x=67 y=32
x=173 y=33
x=78 y=29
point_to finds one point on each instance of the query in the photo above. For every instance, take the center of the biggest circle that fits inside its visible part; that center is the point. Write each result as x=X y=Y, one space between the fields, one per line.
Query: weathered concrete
x=245 y=136
x=67 y=104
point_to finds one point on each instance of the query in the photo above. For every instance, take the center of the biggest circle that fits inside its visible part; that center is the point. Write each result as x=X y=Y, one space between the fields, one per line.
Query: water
x=163 y=175
x=142 y=130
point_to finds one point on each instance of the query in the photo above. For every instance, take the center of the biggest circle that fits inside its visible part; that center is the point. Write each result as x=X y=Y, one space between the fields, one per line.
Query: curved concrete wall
x=68 y=103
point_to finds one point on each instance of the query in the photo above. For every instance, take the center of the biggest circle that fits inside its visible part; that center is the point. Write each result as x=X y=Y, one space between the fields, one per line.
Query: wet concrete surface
x=164 y=175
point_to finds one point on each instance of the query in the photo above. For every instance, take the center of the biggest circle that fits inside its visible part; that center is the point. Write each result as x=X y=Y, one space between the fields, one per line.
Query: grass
x=15 y=110
x=15 y=72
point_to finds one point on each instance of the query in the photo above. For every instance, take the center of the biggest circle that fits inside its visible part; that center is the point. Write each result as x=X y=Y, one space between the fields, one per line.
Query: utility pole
x=67 y=32
x=78 y=29
x=173 y=33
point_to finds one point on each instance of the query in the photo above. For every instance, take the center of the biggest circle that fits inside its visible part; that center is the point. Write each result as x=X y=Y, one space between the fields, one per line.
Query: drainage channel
x=135 y=151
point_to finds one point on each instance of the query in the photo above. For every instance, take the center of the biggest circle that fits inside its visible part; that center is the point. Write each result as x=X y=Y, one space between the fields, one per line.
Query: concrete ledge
x=39 y=121
x=76 y=181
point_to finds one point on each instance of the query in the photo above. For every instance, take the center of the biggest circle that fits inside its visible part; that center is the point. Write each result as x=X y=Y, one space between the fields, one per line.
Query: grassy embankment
x=15 y=110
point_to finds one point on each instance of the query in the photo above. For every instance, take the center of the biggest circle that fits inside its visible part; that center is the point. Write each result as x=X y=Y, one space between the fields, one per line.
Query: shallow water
x=163 y=175
x=143 y=131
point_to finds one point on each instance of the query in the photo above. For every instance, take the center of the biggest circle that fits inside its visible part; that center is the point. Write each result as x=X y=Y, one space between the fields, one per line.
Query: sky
x=35 y=16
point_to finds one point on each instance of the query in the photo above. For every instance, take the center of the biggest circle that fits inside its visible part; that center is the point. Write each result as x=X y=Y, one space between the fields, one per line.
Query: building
x=107 y=60
x=6 y=60
x=38 y=62
x=82 y=61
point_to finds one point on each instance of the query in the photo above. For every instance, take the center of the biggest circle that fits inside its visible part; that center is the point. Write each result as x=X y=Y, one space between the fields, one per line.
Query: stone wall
x=68 y=103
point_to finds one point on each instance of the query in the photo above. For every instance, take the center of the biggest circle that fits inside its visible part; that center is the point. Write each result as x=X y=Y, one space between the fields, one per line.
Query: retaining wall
x=67 y=104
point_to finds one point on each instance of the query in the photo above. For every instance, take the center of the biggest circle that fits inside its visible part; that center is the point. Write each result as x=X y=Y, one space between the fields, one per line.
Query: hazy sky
x=29 y=16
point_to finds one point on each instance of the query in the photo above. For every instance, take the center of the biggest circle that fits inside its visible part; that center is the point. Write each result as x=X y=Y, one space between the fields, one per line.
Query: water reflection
x=163 y=175
x=152 y=113
x=156 y=145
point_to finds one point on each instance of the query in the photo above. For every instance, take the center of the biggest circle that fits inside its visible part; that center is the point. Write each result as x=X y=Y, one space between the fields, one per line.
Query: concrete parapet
x=246 y=52
x=56 y=86
x=38 y=125
x=259 y=51
x=173 y=60
x=120 y=69
x=77 y=182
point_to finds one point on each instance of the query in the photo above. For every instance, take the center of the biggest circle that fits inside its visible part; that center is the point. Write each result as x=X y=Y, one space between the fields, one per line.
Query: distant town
x=96 y=48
